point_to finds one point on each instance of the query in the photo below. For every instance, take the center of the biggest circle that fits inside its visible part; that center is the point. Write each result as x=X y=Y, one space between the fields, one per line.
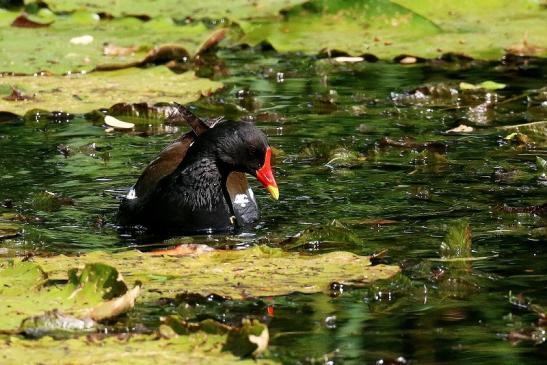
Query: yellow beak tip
x=274 y=192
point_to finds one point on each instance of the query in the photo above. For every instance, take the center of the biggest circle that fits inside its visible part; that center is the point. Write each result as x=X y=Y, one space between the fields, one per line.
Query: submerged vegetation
x=410 y=140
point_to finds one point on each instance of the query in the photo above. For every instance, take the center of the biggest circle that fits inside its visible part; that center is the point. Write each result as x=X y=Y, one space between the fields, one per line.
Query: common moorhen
x=197 y=183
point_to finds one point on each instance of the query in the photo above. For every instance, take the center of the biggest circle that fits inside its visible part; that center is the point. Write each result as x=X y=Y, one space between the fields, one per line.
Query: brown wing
x=166 y=162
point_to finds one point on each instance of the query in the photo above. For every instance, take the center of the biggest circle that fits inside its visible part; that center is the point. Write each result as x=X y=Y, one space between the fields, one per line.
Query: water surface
x=417 y=193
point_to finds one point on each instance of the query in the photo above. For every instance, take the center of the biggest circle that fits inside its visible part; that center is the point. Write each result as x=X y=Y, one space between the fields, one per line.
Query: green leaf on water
x=377 y=27
x=541 y=164
x=485 y=85
x=178 y=9
x=82 y=42
x=457 y=242
x=424 y=28
x=84 y=93
x=535 y=131
x=334 y=234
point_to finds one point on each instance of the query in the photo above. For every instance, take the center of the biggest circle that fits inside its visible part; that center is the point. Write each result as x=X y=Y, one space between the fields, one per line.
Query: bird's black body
x=204 y=192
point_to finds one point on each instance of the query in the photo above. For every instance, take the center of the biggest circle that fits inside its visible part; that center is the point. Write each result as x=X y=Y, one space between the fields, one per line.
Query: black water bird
x=197 y=184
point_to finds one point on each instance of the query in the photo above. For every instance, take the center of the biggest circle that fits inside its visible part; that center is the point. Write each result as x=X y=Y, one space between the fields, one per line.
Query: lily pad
x=26 y=291
x=84 y=93
x=234 y=9
x=234 y=274
x=388 y=29
x=82 y=42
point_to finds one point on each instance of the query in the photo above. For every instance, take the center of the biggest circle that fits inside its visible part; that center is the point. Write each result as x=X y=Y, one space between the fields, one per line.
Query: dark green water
x=299 y=102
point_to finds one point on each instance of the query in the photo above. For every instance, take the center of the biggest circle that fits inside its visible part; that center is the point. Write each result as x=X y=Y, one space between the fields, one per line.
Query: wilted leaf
x=249 y=340
x=117 y=124
x=84 y=93
x=462 y=128
x=184 y=250
x=212 y=41
x=24 y=21
x=114 y=307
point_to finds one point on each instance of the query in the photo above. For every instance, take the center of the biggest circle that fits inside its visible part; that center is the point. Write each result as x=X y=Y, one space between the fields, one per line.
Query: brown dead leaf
x=164 y=54
x=110 y=49
x=212 y=41
x=23 y=21
x=408 y=60
x=183 y=250
x=116 y=306
x=462 y=128
x=525 y=49
x=17 y=95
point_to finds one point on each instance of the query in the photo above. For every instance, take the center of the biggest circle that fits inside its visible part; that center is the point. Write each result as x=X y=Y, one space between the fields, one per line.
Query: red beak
x=265 y=175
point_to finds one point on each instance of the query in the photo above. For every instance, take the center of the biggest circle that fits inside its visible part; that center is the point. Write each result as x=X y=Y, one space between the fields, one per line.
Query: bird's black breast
x=191 y=200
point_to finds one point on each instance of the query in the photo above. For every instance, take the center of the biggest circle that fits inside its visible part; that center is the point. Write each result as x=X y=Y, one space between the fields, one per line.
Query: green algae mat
x=200 y=348
x=84 y=93
x=255 y=272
